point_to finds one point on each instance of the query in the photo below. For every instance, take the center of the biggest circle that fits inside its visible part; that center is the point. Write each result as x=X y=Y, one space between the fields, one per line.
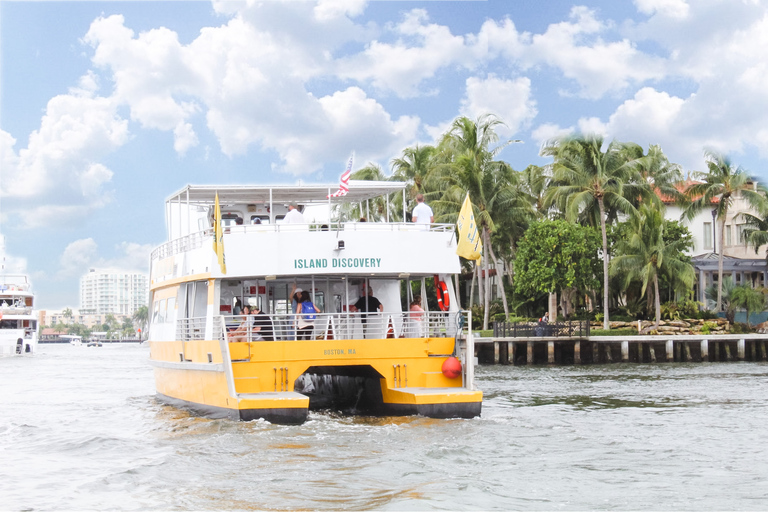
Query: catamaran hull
x=284 y=391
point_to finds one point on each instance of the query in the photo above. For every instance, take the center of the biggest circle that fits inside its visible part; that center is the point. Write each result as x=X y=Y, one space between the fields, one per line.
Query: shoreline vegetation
x=588 y=235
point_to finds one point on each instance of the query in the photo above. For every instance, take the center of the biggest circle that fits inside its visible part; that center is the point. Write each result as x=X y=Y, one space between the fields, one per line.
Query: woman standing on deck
x=416 y=314
x=306 y=314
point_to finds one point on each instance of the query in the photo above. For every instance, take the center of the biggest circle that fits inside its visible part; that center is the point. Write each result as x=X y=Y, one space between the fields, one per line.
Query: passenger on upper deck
x=422 y=214
x=294 y=216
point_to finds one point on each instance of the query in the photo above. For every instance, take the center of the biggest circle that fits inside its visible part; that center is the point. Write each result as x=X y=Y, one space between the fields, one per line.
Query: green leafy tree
x=721 y=183
x=587 y=181
x=748 y=298
x=555 y=255
x=140 y=316
x=67 y=313
x=645 y=256
x=470 y=165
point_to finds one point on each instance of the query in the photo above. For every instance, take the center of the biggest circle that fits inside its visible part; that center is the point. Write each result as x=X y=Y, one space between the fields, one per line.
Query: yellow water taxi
x=360 y=349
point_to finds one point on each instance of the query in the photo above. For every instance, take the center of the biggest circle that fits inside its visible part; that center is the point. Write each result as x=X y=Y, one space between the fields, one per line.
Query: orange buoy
x=451 y=368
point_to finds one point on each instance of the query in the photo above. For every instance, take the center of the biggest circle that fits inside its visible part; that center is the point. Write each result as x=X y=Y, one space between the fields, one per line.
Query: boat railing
x=190 y=328
x=195 y=240
x=347 y=325
x=182 y=244
x=16 y=310
x=14 y=282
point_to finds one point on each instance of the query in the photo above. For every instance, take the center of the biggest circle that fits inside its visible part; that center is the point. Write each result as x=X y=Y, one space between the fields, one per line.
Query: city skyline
x=107 y=108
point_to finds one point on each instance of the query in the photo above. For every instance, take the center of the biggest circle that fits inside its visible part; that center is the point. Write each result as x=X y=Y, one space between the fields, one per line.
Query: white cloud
x=57 y=168
x=677 y=9
x=81 y=255
x=77 y=257
x=549 y=131
x=510 y=100
x=420 y=51
x=598 y=66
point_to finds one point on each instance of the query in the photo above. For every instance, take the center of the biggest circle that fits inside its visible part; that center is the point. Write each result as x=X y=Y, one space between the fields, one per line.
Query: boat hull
x=281 y=381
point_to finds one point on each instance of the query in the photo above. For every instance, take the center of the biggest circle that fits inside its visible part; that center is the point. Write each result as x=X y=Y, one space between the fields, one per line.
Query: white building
x=113 y=291
x=740 y=260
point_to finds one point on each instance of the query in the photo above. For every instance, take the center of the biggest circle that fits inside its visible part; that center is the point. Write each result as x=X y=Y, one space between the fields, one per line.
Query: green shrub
x=740 y=328
x=707 y=327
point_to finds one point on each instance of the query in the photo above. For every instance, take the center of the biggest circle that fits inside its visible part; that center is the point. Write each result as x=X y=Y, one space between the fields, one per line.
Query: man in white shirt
x=422 y=214
x=294 y=216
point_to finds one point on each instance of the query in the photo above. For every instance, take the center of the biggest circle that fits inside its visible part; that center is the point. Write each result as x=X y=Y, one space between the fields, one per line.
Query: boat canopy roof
x=359 y=191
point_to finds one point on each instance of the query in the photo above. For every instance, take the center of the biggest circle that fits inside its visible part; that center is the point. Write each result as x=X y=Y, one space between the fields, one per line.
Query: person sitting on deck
x=262 y=325
x=241 y=333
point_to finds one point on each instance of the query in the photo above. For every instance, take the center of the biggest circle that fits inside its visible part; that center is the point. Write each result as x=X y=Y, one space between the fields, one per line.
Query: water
x=80 y=429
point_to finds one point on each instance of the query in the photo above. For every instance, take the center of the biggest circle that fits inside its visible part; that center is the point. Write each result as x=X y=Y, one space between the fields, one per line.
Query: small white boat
x=74 y=340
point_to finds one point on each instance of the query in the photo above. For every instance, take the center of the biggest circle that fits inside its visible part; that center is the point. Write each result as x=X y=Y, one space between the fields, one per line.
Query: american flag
x=344 y=180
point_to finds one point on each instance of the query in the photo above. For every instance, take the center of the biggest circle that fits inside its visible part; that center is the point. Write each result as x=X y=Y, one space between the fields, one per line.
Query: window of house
x=728 y=240
x=707 y=235
x=740 y=234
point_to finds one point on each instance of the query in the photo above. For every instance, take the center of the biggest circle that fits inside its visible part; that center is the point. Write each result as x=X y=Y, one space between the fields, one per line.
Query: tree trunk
x=457 y=284
x=472 y=286
x=720 y=260
x=478 y=275
x=606 y=305
x=500 y=279
x=487 y=281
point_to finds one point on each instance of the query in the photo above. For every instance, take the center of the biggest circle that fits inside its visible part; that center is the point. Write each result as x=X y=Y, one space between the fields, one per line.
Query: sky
x=107 y=108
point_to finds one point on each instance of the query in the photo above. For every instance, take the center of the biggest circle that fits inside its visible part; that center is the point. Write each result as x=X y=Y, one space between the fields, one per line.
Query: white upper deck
x=273 y=248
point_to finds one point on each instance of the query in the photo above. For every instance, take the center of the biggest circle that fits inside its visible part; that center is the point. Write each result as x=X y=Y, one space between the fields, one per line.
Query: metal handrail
x=195 y=240
x=348 y=325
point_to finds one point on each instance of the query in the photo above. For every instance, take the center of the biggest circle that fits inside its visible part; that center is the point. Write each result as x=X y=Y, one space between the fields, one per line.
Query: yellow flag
x=470 y=246
x=218 y=236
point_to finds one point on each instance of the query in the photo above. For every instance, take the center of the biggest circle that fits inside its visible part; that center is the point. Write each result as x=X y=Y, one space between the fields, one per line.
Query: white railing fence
x=337 y=326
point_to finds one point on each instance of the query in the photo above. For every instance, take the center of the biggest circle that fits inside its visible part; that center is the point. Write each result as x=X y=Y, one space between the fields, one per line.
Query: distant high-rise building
x=113 y=291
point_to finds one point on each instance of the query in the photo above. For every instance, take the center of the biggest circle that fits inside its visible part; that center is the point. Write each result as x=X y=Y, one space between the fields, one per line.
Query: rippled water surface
x=80 y=429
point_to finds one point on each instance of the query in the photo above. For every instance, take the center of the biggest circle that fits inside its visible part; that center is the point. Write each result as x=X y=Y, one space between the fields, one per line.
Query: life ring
x=443 y=299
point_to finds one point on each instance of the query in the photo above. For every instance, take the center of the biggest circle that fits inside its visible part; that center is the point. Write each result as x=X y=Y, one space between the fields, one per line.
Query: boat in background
x=74 y=340
x=18 y=325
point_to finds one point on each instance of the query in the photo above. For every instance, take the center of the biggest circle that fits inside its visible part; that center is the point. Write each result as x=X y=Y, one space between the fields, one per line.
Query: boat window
x=200 y=308
x=259 y=219
x=320 y=300
x=155 y=312
x=170 y=312
x=161 y=311
x=230 y=219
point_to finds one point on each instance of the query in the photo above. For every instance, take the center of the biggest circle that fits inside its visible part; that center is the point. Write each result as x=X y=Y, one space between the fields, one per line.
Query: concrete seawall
x=628 y=349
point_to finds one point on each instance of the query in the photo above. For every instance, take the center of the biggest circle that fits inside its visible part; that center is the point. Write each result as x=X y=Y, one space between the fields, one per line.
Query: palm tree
x=711 y=291
x=659 y=174
x=586 y=182
x=721 y=183
x=414 y=167
x=646 y=255
x=67 y=313
x=750 y=299
x=470 y=166
x=140 y=316
x=377 y=208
